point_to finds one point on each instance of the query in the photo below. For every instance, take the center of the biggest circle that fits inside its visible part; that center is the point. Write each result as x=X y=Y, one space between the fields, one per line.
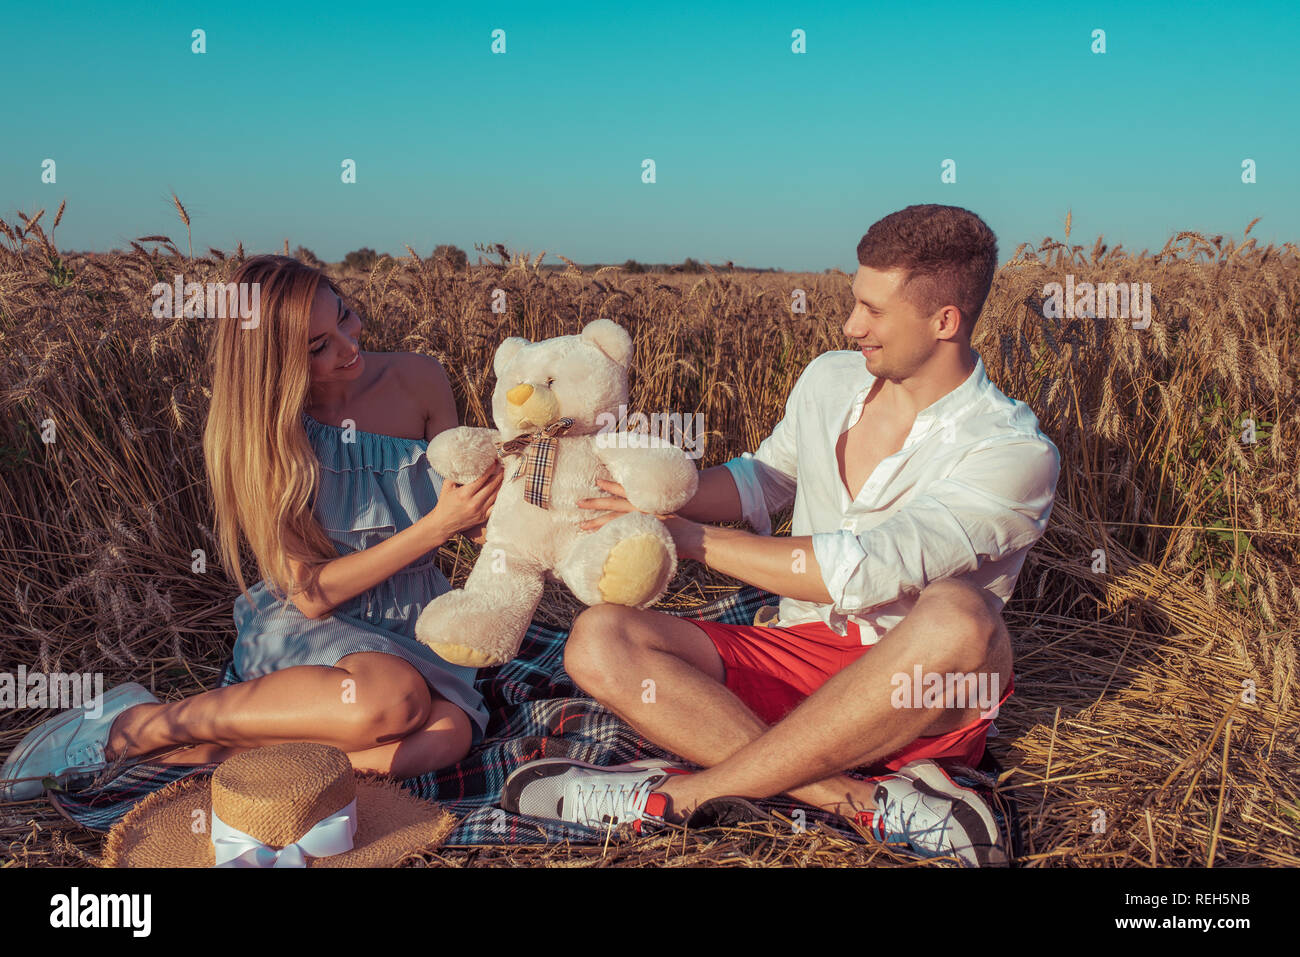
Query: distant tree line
x=364 y=259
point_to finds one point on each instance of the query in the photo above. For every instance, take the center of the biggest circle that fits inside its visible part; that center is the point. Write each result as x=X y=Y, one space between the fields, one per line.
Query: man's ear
x=505 y=352
x=958 y=320
x=610 y=338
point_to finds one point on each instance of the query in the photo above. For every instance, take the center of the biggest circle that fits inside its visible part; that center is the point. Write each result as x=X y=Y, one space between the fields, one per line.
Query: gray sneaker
x=924 y=808
x=591 y=795
x=69 y=745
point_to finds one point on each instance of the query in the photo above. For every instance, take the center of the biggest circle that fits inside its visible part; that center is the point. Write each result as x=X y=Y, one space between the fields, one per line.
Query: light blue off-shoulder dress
x=370 y=488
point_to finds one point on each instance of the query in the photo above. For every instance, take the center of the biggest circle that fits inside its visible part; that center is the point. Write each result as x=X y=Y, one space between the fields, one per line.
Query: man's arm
x=753 y=485
x=749 y=486
x=716 y=500
x=786 y=566
x=719 y=497
x=997 y=500
x=783 y=566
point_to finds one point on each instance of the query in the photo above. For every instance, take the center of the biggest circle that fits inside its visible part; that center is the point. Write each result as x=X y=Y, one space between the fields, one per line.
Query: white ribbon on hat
x=331 y=835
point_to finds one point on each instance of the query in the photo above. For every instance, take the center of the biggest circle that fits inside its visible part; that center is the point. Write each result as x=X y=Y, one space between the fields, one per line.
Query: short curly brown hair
x=949 y=253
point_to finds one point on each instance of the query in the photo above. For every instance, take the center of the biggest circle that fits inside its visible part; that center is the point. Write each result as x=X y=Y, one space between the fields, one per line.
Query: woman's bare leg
x=367 y=700
x=444 y=741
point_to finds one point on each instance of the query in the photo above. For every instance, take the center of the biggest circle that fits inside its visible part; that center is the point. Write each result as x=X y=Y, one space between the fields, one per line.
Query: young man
x=918 y=489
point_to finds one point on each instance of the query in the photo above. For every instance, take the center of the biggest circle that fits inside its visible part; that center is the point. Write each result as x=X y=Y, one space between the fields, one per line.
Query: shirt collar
x=946 y=408
x=949 y=407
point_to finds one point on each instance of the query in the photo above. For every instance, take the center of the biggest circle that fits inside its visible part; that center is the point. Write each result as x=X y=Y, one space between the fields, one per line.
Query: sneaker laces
x=601 y=803
x=91 y=752
x=86 y=759
x=898 y=813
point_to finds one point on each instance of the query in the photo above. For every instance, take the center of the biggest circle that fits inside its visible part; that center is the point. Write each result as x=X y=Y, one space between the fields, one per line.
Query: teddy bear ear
x=610 y=338
x=505 y=352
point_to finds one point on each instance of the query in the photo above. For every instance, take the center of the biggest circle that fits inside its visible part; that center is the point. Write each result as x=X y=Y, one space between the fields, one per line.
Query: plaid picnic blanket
x=535 y=711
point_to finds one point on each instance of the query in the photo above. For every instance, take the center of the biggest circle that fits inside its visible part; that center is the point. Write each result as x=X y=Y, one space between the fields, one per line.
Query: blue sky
x=763 y=156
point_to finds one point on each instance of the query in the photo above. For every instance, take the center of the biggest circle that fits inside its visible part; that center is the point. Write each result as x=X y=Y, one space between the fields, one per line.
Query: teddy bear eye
x=548 y=382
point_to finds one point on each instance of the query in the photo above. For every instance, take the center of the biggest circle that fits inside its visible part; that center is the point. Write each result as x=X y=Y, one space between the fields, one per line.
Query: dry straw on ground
x=1128 y=741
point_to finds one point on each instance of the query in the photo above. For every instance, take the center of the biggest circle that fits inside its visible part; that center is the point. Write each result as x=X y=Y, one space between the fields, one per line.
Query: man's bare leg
x=848 y=722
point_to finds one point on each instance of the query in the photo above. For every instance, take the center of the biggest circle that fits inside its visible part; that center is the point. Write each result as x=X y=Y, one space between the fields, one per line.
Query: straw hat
x=299 y=796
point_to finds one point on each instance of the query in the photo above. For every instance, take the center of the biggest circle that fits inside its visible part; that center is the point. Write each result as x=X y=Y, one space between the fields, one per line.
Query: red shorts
x=773 y=669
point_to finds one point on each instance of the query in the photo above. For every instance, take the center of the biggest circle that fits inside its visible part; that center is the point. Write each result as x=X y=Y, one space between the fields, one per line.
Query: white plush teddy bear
x=547 y=404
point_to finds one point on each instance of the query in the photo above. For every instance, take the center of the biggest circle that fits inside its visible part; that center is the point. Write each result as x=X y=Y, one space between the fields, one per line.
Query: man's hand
x=615 y=505
x=783 y=566
x=686 y=534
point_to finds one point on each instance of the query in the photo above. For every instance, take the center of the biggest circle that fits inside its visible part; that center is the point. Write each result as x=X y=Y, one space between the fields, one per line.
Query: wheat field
x=1132 y=704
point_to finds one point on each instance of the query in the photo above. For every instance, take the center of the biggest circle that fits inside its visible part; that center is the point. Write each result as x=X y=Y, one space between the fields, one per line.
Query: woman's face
x=332 y=340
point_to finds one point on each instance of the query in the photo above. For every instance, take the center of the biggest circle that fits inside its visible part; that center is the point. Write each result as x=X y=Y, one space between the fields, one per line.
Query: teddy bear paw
x=636 y=571
x=467 y=656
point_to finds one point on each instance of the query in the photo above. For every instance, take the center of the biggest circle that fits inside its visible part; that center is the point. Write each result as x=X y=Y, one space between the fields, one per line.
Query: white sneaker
x=68 y=745
x=922 y=807
x=588 y=794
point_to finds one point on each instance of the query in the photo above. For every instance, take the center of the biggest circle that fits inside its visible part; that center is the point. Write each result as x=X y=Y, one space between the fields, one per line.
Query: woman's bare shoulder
x=423 y=376
x=403 y=370
x=415 y=364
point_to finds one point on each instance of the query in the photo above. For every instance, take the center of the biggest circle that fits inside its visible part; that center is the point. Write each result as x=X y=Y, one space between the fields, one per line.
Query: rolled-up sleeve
x=766 y=478
x=997 y=500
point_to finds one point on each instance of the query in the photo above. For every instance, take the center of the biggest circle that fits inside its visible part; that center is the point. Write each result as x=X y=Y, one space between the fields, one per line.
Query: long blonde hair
x=261 y=467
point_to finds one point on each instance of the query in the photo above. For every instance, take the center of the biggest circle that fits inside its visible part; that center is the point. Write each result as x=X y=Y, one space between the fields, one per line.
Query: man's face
x=892 y=335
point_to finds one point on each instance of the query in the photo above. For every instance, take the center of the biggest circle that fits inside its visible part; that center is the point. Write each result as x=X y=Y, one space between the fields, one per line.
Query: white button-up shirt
x=966 y=496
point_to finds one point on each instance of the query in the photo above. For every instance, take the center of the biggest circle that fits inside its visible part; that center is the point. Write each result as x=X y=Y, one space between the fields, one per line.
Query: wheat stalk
x=185 y=218
x=96 y=532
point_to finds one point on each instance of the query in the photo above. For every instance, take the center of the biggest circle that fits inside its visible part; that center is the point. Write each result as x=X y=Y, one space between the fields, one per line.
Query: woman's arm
x=424 y=376
x=349 y=576
x=440 y=413
x=459 y=507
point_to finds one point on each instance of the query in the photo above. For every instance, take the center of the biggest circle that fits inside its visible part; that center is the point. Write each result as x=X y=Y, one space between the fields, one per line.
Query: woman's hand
x=464 y=506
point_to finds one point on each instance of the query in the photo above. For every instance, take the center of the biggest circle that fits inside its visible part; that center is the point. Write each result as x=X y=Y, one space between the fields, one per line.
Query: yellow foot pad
x=467 y=656
x=633 y=570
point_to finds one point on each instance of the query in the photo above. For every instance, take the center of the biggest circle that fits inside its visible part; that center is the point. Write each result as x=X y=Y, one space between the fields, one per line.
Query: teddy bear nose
x=519 y=394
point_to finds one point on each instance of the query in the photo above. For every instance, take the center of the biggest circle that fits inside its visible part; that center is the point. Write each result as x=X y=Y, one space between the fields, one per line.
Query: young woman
x=315 y=455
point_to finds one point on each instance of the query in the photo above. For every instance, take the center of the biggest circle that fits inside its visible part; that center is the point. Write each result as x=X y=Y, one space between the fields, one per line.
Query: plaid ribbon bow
x=537 y=464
